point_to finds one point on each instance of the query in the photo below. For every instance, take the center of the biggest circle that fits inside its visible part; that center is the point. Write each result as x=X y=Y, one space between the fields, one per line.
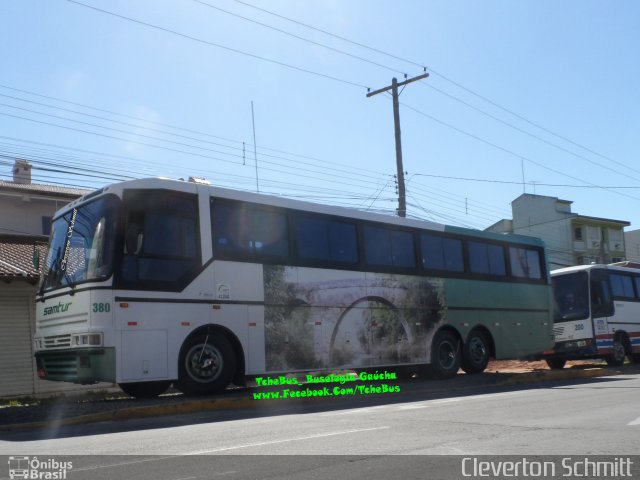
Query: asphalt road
x=599 y=416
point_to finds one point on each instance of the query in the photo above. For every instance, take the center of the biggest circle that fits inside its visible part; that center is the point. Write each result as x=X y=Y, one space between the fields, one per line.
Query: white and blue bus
x=152 y=282
x=596 y=314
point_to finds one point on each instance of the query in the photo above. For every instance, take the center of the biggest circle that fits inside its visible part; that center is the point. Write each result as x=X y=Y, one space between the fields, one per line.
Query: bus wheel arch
x=446 y=353
x=477 y=350
x=210 y=359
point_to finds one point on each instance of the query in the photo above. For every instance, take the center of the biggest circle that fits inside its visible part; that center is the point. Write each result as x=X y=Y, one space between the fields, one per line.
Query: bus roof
x=306 y=206
x=582 y=268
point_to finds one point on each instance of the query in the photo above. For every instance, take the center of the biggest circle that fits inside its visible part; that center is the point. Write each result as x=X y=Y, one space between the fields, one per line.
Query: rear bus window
x=525 y=263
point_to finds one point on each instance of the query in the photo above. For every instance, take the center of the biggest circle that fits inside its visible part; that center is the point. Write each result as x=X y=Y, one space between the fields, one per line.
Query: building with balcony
x=571 y=239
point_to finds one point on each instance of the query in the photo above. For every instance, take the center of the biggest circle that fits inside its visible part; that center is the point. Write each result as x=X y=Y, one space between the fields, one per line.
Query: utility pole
x=402 y=200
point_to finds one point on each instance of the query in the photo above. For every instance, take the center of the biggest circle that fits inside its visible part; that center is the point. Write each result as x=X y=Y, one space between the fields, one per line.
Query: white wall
x=632 y=245
x=22 y=214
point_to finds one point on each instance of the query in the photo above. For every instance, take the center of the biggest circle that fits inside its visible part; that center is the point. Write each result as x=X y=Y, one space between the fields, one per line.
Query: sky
x=528 y=96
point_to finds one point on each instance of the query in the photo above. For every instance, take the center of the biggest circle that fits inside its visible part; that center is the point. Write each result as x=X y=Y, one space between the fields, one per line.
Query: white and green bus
x=152 y=282
x=597 y=314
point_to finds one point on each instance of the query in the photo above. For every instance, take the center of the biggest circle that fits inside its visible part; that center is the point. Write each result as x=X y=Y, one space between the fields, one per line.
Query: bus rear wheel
x=144 y=389
x=445 y=354
x=207 y=364
x=475 y=353
x=617 y=357
x=556 y=363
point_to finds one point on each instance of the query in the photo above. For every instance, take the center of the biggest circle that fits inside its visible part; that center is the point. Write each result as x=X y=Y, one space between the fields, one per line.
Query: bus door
x=572 y=323
x=602 y=309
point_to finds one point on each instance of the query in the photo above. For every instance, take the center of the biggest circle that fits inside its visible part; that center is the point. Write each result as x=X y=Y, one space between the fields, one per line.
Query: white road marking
x=421 y=404
x=285 y=440
x=354 y=410
x=634 y=422
x=412 y=406
x=483 y=396
x=446 y=400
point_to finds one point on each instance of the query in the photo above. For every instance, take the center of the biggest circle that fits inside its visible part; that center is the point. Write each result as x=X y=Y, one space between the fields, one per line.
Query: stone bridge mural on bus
x=338 y=319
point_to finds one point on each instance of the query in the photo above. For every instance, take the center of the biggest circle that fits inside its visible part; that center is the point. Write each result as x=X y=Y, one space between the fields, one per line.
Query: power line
x=451 y=96
x=524 y=119
x=332 y=34
x=217 y=45
x=307 y=189
x=462 y=87
x=328 y=47
x=174 y=127
x=537 y=137
x=505 y=150
x=298 y=170
x=137 y=119
x=485 y=180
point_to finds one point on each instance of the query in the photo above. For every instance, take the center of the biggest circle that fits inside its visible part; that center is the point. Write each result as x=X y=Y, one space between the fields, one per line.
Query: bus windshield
x=570 y=295
x=81 y=246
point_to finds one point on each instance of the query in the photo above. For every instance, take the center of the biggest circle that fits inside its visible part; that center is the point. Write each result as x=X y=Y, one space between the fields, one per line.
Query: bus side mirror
x=133 y=241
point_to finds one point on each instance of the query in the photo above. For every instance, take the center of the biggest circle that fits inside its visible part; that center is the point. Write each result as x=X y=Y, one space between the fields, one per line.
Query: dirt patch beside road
x=522 y=366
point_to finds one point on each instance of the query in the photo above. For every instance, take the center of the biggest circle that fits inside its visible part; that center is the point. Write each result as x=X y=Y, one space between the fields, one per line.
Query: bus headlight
x=86 y=340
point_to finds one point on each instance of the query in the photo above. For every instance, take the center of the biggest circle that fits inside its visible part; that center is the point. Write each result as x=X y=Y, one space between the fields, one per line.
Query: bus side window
x=601 y=300
x=161 y=240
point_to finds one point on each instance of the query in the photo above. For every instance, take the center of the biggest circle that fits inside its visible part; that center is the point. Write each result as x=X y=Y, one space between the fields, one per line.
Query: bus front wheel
x=475 y=353
x=207 y=364
x=144 y=389
x=445 y=354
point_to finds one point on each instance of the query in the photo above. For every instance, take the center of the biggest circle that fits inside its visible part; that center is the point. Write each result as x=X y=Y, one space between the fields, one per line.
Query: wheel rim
x=477 y=350
x=618 y=351
x=204 y=363
x=447 y=355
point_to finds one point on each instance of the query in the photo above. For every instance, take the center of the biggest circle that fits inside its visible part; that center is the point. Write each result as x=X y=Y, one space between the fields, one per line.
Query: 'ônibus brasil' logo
x=60 y=308
x=32 y=468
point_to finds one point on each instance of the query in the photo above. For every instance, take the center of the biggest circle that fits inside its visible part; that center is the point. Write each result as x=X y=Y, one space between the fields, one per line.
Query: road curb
x=246 y=401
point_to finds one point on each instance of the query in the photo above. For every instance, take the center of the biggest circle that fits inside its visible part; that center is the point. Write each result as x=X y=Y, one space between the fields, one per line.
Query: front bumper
x=77 y=365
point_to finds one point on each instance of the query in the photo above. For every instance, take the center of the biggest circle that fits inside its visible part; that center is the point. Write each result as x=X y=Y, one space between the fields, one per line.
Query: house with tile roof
x=26 y=210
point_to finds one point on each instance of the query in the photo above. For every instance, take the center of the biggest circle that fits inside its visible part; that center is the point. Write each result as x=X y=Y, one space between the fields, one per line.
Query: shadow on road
x=64 y=417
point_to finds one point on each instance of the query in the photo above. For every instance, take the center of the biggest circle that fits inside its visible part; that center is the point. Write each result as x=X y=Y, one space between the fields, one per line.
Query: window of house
x=594 y=237
x=615 y=239
x=577 y=233
x=46 y=226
